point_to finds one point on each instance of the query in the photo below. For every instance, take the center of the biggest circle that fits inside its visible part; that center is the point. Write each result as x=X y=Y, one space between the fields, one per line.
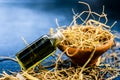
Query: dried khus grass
x=90 y=33
x=86 y=36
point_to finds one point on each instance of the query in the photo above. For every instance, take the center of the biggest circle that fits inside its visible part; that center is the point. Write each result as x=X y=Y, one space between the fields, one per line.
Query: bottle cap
x=58 y=35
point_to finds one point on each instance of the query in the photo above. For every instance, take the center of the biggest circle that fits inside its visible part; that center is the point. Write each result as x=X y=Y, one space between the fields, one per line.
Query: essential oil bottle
x=39 y=50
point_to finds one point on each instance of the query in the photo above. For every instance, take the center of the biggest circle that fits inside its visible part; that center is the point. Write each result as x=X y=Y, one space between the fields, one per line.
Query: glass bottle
x=39 y=50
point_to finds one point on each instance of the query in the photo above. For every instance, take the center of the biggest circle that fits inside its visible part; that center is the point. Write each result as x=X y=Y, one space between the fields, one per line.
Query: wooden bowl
x=82 y=55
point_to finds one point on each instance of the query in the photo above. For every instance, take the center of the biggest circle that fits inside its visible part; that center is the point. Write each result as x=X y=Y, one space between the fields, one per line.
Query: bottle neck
x=56 y=37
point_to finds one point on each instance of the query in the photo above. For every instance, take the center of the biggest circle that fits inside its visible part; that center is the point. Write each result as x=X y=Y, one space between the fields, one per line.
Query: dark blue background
x=33 y=18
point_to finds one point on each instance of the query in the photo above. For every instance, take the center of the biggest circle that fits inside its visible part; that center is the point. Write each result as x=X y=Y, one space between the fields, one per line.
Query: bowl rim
x=98 y=48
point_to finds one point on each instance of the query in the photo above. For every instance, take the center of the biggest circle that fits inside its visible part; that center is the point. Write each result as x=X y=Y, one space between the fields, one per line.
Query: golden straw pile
x=89 y=33
x=86 y=36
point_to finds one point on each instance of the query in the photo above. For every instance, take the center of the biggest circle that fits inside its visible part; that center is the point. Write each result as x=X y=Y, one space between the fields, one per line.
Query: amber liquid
x=35 y=52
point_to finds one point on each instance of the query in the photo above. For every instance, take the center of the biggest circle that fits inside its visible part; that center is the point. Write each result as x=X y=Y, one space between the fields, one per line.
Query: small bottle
x=39 y=50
